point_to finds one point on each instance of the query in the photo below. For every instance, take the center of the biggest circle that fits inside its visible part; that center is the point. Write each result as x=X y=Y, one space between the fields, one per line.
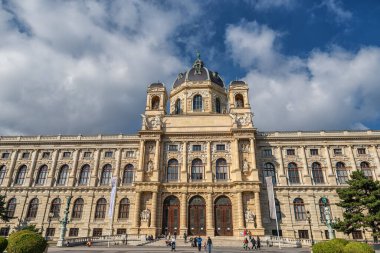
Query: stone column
x=239 y=199
x=258 y=211
x=51 y=174
x=306 y=174
x=95 y=170
x=210 y=229
x=156 y=168
x=354 y=168
x=136 y=221
x=236 y=159
x=331 y=176
x=30 y=175
x=281 y=171
x=184 y=176
x=208 y=176
x=118 y=155
x=9 y=178
x=153 y=223
x=183 y=212
x=73 y=172
x=140 y=169
x=377 y=161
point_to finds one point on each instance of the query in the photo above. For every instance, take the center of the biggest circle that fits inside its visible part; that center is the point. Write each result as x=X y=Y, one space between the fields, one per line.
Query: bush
x=328 y=247
x=3 y=244
x=26 y=241
x=357 y=247
x=343 y=242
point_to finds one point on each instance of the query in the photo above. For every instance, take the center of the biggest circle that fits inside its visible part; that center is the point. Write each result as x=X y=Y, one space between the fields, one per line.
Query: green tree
x=361 y=204
x=3 y=209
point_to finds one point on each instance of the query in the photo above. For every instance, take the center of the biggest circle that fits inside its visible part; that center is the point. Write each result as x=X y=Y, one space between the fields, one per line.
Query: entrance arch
x=223 y=216
x=197 y=216
x=171 y=219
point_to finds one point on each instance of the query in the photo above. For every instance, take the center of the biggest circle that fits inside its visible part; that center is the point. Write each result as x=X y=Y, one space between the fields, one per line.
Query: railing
x=289 y=241
x=104 y=240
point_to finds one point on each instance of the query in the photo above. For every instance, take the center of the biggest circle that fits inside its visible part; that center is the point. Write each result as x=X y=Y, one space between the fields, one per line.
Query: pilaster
x=140 y=169
x=236 y=159
x=184 y=163
x=354 y=168
x=183 y=212
x=156 y=167
x=209 y=162
x=50 y=179
x=210 y=229
x=282 y=174
x=95 y=171
x=306 y=174
x=153 y=223
x=331 y=176
x=73 y=171
x=136 y=218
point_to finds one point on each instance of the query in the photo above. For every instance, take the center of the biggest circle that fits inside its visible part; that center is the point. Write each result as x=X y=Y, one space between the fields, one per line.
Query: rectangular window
x=50 y=231
x=121 y=231
x=303 y=234
x=290 y=152
x=130 y=153
x=274 y=232
x=108 y=154
x=197 y=147
x=327 y=234
x=357 y=235
x=45 y=155
x=87 y=154
x=74 y=232
x=313 y=151
x=25 y=155
x=4 y=231
x=5 y=155
x=66 y=154
x=97 y=232
x=173 y=147
x=361 y=151
x=337 y=151
x=220 y=147
x=267 y=152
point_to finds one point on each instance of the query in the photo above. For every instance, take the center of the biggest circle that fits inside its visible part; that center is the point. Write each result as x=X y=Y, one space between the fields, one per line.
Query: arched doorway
x=197 y=216
x=170 y=223
x=223 y=216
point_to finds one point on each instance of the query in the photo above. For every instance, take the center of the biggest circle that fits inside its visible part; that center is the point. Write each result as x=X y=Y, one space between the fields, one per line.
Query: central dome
x=198 y=73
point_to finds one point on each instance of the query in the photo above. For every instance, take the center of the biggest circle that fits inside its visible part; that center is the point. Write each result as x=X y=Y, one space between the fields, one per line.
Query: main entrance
x=223 y=217
x=171 y=209
x=197 y=216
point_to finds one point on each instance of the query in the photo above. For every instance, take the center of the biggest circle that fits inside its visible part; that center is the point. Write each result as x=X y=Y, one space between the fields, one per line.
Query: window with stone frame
x=4 y=231
x=364 y=166
x=313 y=151
x=20 y=176
x=197 y=103
x=293 y=173
x=269 y=171
x=197 y=147
x=196 y=170
x=3 y=171
x=361 y=151
x=100 y=210
x=11 y=207
x=73 y=232
x=357 y=235
x=55 y=207
x=97 y=232
x=130 y=153
x=290 y=152
x=45 y=155
x=41 y=175
x=299 y=209
x=77 y=209
x=221 y=169
x=124 y=209
x=50 y=232
x=341 y=173
x=220 y=147
x=32 y=209
x=84 y=175
x=25 y=155
x=5 y=155
x=317 y=173
x=105 y=178
x=108 y=154
x=338 y=151
x=172 y=171
x=66 y=154
x=267 y=152
x=121 y=231
x=173 y=147
x=128 y=176
x=87 y=154
x=62 y=175
x=303 y=234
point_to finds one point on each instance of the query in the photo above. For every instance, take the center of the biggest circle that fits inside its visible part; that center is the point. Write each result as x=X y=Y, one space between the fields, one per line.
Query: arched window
x=128 y=174
x=322 y=209
x=77 y=209
x=197 y=103
x=341 y=173
x=178 y=106
x=124 y=209
x=84 y=174
x=299 y=209
x=100 y=210
x=11 y=207
x=20 y=177
x=41 y=175
x=270 y=171
x=196 y=169
x=172 y=174
x=2 y=173
x=278 y=209
x=155 y=103
x=218 y=108
x=221 y=169
x=105 y=178
x=317 y=173
x=55 y=207
x=32 y=209
x=293 y=173
x=364 y=166
x=239 y=101
x=62 y=175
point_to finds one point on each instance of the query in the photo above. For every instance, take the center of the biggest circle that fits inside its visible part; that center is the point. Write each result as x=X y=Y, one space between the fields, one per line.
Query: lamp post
x=50 y=216
x=308 y=215
x=64 y=222
x=328 y=220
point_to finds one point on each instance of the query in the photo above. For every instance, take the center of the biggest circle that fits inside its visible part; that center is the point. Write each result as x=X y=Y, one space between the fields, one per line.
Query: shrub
x=26 y=241
x=357 y=247
x=328 y=247
x=3 y=244
x=343 y=242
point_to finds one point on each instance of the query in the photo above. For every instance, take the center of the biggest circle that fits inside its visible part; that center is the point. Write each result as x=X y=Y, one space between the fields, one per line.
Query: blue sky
x=82 y=67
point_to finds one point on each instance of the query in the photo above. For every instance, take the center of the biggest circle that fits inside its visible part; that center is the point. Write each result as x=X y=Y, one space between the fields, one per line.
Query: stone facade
x=198 y=168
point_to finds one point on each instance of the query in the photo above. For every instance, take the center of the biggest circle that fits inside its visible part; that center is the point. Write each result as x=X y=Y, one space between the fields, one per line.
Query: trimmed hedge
x=3 y=244
x=328 y=247
x=344 y=242
x=25 y=241
x=358 y=247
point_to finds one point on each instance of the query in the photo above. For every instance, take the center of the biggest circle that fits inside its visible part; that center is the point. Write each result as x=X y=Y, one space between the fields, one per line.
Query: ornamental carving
x=241 y=119
x=151 y=122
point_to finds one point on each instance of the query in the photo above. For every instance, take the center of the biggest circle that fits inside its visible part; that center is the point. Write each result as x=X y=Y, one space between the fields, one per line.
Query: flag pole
x=272 y=205
x=278 y=231
x=112 y=206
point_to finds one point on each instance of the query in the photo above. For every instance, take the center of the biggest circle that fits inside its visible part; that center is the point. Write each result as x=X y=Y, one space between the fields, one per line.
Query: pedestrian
x=267 y=243
x=175 y=234
x=258 y=243
x=245 y=243
x=209 y=245
x=185 y=237
x=199 y=241
x=253 y=242
x=173 y=243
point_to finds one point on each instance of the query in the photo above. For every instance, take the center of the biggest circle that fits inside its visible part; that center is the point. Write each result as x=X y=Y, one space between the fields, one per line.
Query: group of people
x=256 y=244
x=207 y=244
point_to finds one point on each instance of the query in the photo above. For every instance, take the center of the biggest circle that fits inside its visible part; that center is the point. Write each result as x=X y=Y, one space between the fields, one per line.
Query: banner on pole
x=272 y=205
x=112 y=198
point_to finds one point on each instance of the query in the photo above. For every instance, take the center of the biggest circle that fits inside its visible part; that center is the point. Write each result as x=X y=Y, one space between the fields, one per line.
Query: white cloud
x=336 y=89
x=267 y=4
x=84 y=66
x=335 y=7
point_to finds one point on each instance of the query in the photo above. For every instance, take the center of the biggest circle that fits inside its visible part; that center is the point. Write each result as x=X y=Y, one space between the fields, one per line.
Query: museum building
x=198 y=168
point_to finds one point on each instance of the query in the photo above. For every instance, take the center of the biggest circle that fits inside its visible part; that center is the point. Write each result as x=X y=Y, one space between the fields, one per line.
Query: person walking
x=209 y=245
x=173 y=243
x=245 y=243
x=258 y=243
x=175 y=234
x=185 y=237
x=199 y=241
x=253 y=242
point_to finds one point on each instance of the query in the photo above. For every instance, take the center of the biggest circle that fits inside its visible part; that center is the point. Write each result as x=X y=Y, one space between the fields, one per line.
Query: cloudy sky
x=82 y=67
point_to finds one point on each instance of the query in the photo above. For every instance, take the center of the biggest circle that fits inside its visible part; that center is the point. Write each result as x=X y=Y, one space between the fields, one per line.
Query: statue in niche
x=145 y=215
x=245 y=166
x=150 y=166
x=249 y=216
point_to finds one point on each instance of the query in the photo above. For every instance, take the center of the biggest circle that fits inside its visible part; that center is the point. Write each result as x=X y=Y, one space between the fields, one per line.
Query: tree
x=361 y=204
x=3 y=210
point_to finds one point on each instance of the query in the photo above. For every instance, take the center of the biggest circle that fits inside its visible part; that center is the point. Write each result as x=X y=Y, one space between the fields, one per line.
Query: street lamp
x=50 y=216
x=308 y=215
